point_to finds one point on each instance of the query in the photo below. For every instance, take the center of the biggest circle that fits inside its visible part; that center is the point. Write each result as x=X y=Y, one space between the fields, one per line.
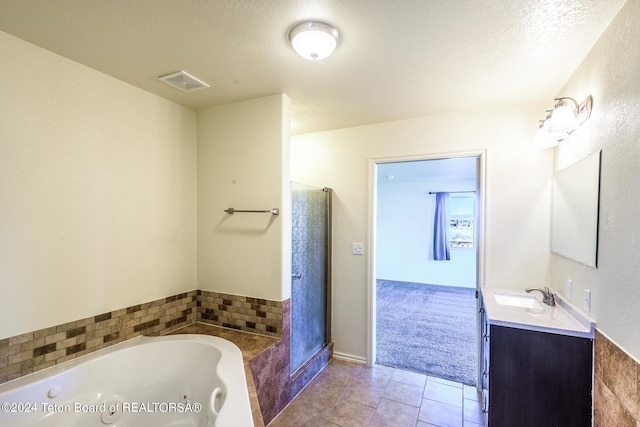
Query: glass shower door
x=310 y=271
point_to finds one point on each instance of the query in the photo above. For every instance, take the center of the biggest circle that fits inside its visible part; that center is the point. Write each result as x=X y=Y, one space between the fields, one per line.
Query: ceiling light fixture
x=314 y=40
x=567 y=116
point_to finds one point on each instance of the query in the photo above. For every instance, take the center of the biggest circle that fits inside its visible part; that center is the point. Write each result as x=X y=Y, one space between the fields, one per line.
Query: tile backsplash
x=241 y=313
x=616 y=386
x=30 y=352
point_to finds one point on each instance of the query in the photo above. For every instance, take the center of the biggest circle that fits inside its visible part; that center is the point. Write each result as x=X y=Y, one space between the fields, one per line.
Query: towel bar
x=273 y=211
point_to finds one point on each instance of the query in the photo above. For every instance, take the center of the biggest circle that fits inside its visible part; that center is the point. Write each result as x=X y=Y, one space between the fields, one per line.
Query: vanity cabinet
x=534 y=378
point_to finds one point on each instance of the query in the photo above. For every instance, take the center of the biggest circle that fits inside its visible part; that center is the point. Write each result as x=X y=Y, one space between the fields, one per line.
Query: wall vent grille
x=183 y=81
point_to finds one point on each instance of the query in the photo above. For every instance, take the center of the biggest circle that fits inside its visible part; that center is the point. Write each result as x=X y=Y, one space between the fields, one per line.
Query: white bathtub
x=176 y=380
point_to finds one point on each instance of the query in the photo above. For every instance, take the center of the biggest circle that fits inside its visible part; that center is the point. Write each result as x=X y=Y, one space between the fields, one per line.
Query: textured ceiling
x=397 y=59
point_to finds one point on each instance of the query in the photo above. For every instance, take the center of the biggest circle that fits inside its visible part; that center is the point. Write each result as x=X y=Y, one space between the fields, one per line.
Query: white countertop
x=562 y=318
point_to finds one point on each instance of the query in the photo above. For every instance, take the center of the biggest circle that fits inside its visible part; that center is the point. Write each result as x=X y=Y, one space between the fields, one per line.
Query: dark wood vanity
x=535 y=378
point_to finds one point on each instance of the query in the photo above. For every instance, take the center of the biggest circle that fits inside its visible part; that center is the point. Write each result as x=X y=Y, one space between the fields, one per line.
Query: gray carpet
x=428 y=329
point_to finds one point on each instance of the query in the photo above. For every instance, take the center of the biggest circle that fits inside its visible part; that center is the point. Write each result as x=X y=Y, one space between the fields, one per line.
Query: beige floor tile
x=440 y=414
x=443 y=393
x=300 y=412
x=326 y=394
x=373 y=375
x=351 y=395
x=472 y=411
x=395 y=414
x=365 y=394
x=404 y=393
x=447 y=382
x=338 y=373
x=470 y=392
x=384 y=368
x=350 y=414
x=409 y=377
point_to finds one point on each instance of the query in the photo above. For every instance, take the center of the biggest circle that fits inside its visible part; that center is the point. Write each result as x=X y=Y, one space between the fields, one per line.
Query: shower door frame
x=329 y=283
x=328 y=277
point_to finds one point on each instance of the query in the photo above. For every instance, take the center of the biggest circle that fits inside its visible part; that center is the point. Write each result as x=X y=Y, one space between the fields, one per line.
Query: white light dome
x=563 y=119
x=314 y=40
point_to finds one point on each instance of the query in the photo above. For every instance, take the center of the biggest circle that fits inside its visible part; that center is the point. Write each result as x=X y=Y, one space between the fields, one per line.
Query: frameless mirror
x=574 y=220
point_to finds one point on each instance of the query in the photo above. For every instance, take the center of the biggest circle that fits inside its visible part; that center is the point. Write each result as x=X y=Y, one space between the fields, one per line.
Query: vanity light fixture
x=567 y=116
x=314 y=40
x=544 y=139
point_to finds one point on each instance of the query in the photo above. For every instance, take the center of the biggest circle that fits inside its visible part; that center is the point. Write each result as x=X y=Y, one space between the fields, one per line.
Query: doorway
x=424 y=310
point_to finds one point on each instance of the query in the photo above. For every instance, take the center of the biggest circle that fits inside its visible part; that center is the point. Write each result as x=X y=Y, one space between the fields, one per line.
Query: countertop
x=563 y=318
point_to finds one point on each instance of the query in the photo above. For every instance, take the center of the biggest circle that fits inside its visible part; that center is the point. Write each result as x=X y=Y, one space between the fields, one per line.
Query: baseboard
x=349 y=358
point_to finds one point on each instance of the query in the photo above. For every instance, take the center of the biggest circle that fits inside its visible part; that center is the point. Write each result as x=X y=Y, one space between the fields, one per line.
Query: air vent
x=183 y=81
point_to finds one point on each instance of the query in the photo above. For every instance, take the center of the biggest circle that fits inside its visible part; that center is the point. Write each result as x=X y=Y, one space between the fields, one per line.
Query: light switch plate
x=587 y=300
x=357 y=248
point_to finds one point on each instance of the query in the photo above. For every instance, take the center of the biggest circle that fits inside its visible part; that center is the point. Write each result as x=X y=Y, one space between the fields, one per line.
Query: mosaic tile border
x=30 y=352
x=241 y=313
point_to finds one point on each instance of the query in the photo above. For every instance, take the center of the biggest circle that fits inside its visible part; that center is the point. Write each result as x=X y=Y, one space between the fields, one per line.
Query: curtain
x=440 y=229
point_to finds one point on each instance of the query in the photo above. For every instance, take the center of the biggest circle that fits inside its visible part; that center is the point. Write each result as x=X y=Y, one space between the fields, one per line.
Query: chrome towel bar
x=273 y=211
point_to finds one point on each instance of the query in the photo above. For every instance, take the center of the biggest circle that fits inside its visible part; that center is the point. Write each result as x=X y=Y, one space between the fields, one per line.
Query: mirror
x=574 y=220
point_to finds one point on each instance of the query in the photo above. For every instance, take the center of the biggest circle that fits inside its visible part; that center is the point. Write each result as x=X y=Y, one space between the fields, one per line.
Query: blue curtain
x=440 y=229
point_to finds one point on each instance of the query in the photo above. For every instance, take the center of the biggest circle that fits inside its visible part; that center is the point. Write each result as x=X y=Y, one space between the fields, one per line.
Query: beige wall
x=97 y=192
x=243 y=162
x=610 y=74
x=517 y=198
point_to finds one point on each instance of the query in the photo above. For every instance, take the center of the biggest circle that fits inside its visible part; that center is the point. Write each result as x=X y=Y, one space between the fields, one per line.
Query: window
x=461 y=215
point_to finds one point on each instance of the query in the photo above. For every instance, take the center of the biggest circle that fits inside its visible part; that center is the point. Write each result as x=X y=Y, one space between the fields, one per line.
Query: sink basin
x=517 y=300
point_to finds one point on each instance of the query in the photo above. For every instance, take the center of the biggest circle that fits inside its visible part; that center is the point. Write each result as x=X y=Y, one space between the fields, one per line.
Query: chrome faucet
x=547 y=297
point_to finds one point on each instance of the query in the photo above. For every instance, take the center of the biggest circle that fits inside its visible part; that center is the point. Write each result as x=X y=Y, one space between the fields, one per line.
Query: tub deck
x=250 y=344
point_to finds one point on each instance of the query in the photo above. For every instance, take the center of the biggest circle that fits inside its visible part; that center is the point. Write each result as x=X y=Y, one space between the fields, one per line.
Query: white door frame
x=371 y=267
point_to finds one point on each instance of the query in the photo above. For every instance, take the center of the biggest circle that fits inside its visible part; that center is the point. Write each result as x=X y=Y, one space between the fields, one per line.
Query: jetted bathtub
x=176 y=380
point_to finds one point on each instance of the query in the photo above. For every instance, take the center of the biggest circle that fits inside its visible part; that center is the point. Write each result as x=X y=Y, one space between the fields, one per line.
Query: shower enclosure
x=311 y=272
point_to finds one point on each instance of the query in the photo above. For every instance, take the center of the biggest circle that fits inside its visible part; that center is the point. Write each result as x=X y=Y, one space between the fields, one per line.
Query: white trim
x=481 y=198
x=349 y=358
x=481 y=195
x=371 y=265
x=371 y=273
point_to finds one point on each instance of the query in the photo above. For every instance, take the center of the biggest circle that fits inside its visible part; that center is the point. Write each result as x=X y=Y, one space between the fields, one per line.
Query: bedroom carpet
x=428 y=329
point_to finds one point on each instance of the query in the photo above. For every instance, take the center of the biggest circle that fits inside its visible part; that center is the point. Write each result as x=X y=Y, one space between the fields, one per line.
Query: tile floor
x=352 y=395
